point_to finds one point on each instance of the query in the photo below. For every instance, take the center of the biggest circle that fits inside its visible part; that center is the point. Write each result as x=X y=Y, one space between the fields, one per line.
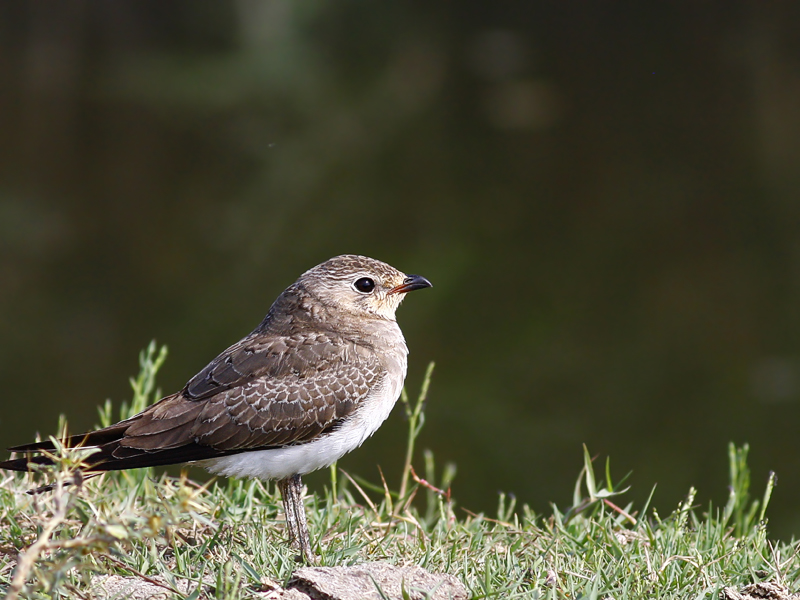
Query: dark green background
x=605 y=196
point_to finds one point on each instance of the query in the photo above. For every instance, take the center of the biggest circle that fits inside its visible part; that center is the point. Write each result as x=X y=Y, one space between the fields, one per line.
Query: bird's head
x=360 y=286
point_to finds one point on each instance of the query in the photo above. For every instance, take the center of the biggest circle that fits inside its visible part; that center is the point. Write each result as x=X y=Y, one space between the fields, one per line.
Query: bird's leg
x=303 y=539
x=296 y=524
x=288 y=509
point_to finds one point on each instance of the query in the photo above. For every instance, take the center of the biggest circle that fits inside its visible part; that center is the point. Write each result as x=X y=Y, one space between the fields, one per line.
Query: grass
x=227 y=538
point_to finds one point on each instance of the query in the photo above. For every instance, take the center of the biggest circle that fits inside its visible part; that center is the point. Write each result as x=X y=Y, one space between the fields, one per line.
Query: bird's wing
x=260 y=393
x=269 y=356
x=300 y=388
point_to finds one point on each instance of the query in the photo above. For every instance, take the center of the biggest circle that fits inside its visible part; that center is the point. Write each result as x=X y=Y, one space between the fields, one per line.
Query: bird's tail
x=41 y=453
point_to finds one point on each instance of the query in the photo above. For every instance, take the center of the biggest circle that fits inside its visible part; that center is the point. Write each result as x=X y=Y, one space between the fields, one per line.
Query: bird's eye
x=364 y=285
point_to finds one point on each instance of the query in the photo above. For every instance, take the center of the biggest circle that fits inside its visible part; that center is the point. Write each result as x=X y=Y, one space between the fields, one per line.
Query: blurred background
x=606 y=197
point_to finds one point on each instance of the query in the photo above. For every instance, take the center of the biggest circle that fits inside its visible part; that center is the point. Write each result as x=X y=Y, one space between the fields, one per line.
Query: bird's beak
x=411 y=283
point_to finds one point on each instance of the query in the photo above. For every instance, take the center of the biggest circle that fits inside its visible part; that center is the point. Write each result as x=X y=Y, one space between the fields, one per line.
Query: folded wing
x=260 y=393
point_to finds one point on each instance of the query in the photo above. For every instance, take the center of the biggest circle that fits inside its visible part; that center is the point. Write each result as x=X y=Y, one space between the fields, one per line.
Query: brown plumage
x=268 y=390
x=311 y=382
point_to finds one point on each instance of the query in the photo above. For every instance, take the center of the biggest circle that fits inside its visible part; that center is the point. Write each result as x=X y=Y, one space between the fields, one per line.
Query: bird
x=315 y=379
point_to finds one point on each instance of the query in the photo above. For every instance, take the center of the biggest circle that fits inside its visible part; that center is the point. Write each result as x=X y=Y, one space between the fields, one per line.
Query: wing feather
x=263 y=392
